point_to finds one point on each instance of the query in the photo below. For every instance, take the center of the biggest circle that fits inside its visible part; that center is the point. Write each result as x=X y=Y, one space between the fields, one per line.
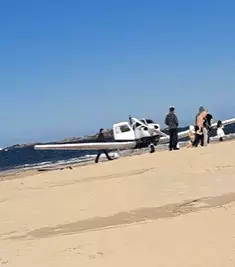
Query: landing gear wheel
x=151 y=148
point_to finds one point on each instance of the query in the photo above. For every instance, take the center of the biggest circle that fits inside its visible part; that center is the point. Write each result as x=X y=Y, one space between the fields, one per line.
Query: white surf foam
x=51 y=164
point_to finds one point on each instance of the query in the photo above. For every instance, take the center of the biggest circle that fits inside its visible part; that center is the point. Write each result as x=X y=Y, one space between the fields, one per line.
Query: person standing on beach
x=207 y=124
x=220 y=131
x=172 y=122
x=201 y=118
x=201 y=109
x=101 y=138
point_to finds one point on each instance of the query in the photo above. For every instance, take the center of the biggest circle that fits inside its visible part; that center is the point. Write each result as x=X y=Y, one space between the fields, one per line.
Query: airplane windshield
x=124 y=128
x=147 y=120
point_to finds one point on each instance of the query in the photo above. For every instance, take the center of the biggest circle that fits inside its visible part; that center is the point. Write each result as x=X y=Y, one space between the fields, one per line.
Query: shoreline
x=21 y=172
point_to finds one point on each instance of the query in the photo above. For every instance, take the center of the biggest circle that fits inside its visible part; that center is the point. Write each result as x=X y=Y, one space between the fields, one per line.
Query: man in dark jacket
x=172 y=122
x=101 y=138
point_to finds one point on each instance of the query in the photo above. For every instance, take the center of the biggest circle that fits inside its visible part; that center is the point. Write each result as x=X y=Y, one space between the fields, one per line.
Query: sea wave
x=61 y=163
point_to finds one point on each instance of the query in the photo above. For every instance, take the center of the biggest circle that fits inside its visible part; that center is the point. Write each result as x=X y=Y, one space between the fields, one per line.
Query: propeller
x=150 y=127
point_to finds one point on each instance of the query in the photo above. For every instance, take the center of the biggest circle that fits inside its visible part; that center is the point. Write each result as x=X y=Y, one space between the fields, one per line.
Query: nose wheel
x=152 y=148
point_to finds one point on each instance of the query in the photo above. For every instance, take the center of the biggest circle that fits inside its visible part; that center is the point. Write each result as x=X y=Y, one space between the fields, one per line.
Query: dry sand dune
x=163 y=209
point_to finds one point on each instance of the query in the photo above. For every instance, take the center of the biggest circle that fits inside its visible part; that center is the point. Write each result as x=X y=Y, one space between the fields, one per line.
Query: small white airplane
x=128 y=135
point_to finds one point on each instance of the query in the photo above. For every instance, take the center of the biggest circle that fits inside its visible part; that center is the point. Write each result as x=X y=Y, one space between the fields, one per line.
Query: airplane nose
x=151 y=129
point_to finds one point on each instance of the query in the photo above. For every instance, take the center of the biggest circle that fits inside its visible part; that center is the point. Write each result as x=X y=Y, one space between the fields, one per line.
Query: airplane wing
x=87 y=146
x=226 y=122
x=114 y=145
x=164 y=139
x=185 y=133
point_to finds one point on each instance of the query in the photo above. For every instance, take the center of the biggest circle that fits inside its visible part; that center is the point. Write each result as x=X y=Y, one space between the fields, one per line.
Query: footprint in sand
x=94 y=256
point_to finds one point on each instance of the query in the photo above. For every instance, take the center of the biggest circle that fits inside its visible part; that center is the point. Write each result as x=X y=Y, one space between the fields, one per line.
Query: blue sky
x=70 y=67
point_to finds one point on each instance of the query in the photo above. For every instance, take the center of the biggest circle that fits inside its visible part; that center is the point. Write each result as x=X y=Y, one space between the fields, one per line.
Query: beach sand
x=164 y=209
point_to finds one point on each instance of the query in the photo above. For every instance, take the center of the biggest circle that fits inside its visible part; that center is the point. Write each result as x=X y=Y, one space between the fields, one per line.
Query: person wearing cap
x=101 y=138
x=172 y=122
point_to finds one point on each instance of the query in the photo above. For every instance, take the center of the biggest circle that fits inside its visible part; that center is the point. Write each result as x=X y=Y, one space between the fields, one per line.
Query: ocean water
x=28 y=158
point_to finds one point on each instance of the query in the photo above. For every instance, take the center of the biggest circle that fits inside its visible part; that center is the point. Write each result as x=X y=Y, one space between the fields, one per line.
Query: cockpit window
x=147 y=120
x=136 y=124
x=124 y=128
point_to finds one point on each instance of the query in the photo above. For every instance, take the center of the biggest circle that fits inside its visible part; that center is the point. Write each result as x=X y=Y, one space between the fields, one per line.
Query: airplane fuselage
x=143 y=132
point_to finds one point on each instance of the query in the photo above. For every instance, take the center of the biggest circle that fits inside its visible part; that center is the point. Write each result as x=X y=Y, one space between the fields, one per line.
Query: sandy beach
x=164 y=209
